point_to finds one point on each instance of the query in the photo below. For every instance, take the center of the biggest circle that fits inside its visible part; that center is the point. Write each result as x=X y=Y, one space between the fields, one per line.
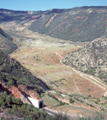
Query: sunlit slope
x=43 y=59
x=76 y=24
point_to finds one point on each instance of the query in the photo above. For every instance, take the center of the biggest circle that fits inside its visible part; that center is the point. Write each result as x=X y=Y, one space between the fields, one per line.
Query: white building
x=36 y=103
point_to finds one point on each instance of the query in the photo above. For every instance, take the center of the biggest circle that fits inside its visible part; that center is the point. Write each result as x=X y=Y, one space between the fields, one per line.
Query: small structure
x=36 y=103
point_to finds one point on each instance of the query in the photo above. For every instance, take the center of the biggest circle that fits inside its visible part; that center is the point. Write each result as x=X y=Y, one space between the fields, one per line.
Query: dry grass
x=43 y=58
x=44 y=61
x=49 y=101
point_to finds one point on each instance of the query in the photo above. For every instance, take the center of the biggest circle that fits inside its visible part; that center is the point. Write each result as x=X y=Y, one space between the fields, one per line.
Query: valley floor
x=42 y=55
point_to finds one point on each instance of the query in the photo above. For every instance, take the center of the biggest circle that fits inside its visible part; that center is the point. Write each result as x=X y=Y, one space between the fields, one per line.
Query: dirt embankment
x=19 y=92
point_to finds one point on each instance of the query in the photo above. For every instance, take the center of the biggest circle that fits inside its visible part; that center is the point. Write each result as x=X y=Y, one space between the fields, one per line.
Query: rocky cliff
x=91 y=59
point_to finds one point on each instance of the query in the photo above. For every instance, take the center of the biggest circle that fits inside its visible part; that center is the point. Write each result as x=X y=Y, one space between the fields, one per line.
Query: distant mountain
x=6 y=43
x=76 y=24
x=91 y=59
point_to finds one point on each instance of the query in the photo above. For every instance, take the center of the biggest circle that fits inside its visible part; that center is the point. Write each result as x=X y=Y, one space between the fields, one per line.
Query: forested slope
x=13 y=73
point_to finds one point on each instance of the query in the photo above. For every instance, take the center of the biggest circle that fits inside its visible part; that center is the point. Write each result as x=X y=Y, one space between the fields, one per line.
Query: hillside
x=40 y=52
x=43 y=58
x=76 y=24
x=91 y=59
x=6 y=42
x=12 y=73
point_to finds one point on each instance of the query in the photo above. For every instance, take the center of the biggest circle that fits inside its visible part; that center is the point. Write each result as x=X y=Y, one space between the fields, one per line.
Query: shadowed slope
x=6 y=43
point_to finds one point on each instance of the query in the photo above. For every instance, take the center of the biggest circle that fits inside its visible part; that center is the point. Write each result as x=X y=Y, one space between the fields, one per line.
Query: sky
x=36 y=5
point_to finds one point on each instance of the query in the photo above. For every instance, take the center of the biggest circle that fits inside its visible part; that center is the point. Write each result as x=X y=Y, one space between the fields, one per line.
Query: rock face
x=16 y=92
x=34 y=95
x=91 y=59
x=22 y=92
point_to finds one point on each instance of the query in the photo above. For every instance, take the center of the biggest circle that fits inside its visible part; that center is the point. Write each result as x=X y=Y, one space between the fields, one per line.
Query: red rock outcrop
x=24 y=89
x=34 y=95
x=17 y=93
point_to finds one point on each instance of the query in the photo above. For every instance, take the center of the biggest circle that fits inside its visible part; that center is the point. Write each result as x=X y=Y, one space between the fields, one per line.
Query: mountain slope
x=76 y=24
x=12 y=73
x=91 y=59
x=6 y=43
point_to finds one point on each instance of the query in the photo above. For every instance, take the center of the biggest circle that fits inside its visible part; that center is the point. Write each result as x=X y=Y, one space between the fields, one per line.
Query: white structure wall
x=36 y=103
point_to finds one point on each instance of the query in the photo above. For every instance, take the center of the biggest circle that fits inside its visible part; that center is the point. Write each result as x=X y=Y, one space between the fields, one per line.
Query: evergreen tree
x=71 y=100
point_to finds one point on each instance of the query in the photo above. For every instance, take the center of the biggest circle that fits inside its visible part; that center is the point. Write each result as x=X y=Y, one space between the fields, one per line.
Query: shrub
x=71 y=100
x=89 y=95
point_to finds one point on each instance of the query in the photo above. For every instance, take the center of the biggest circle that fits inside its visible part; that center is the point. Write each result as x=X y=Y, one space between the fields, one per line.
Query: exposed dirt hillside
x=21 y=91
